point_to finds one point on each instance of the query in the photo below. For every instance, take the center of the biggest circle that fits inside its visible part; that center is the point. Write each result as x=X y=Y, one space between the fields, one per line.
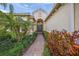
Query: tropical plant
x=12 y=28
x=15 y=24
x=63 y=43
x=9 y=47
x=11 y=8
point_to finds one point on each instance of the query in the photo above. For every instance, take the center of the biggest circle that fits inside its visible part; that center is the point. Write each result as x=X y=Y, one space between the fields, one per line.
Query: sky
x=29 y=7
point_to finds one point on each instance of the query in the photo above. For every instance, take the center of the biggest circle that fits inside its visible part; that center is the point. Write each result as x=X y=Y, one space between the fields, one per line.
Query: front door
x=39 y=28
x=40 y=25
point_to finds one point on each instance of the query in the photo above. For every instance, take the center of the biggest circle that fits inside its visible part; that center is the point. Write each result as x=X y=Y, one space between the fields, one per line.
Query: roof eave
x=57 y=6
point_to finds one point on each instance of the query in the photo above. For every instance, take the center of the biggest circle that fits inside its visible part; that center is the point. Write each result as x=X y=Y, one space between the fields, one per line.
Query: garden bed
x=46 y=51
x=63 y=43
x=16 y=48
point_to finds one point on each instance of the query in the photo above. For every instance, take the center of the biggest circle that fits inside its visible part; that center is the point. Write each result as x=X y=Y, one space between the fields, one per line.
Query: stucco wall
x=76 y=16
x=61 y=19
x=39 y=14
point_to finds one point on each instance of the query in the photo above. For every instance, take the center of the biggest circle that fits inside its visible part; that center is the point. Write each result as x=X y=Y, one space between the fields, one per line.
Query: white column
x=71 y=18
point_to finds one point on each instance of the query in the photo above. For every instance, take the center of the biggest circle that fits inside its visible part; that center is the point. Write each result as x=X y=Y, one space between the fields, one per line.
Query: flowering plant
x=63 y=42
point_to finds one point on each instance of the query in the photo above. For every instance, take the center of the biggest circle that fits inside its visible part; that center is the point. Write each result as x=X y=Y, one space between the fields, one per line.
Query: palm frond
x=4 y=5
x=11 y=8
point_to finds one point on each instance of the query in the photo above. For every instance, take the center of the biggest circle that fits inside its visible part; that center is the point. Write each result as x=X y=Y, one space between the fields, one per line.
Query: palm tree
x=4 y=5
x=15 y=24
x=11 y=8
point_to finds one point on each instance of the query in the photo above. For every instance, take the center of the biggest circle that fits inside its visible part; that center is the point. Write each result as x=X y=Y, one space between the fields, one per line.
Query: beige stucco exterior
x=39 y=14
x=63 y=18
x=76 y=16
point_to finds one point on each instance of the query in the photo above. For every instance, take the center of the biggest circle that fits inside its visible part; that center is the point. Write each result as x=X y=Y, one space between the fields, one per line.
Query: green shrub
x=46 y=51
x=45 y=33
x=5 y=43
x=16 y=50
x=18 y=47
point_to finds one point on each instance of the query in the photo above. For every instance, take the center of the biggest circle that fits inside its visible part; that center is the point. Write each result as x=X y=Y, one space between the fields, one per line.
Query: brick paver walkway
x=37 y=47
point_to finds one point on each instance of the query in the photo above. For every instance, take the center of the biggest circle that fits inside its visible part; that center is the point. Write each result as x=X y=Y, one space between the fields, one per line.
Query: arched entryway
x=39 y=25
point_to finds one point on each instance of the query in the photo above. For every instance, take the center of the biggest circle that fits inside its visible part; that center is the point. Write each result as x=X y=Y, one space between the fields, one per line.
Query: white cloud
x=5 y=11
x=26 y=5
